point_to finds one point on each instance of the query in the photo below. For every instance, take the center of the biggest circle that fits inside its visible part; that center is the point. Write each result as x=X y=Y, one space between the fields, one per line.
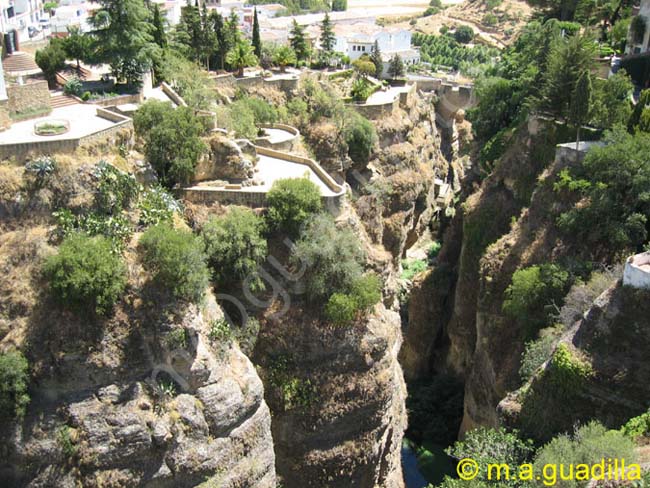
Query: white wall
x=633 y=274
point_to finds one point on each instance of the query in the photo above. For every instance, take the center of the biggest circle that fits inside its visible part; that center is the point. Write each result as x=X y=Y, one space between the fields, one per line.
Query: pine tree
x=327 y=37
x=396 y=67
x=208 y=37
x=375 y=57
x=257 y=41
x=123 y=38
x=189 y=32
x=299 y=42
x=159 y=34
x=580 y=103
x=217 y=23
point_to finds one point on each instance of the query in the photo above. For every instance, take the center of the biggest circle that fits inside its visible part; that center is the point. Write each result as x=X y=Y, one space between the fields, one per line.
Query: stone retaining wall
x=28 y=97
x=287 y=146
x=258 y=198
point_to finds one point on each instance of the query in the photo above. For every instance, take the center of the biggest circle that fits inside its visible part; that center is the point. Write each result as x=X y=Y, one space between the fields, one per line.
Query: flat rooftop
x=277 y=136
x=83 y=120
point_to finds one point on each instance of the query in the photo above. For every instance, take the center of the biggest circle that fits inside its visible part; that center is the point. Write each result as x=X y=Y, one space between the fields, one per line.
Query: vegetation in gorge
x=291 y=202
x=14 y=380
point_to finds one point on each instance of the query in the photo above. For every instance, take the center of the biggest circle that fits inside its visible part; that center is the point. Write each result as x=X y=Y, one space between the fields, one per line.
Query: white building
x=638 y=37
x=18 y=15
x=355 y=40
x=637 y=271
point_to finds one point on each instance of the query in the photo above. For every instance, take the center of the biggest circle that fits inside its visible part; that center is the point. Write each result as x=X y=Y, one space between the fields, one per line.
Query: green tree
x=257 y=41
x=339 y=5
x=123 y=39
x=77 y=45
x=208 y=37
x=14 y=381
x=341 y=309
x=360 y=136
x=499 y=103
x=158 y=22
x=284 y=56
x=241 y=56
x=332 y=258
x=222 y=39
x=190 y=81
x=327 y=37
x=611 y=100
x=364 y=66
x=176 y=260
x=396 y=67
x=464 y=34
x=86 y=274
x=641 y=105
x=291 y=202
x=580 y=104
x=51 y=59
x=172 y=139
x=298 y=41
x=375 y=57
x=189 y=32
x=534 y=293
x=235 y=247
x=612 y=182
x=568 y=58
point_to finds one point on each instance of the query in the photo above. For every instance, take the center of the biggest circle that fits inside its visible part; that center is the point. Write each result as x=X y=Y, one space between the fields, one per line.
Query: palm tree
x=241 y=56
x=284 y=56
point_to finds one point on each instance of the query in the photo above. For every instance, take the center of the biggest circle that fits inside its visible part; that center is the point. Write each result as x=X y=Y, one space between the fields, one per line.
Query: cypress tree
x=375 y=57
x=580 y=103
x=257 y=42
x=159 y=34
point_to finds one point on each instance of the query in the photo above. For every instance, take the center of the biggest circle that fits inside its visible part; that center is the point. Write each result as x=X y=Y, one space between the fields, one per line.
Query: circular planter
x=51 y=127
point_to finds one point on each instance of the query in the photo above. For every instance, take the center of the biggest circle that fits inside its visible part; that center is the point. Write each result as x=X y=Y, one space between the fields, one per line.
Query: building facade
x=19 y=15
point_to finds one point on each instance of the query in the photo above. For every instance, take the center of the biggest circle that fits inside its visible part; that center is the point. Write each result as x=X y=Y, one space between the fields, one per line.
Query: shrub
x=86 y=274
x=433 y=251
x=567 y=372
x=532 y=293
x=116 y=189
x=14 y=380
x=172 y=138
x=176 y=260
x=361 y=90
x=590 y=444
x=412 y=267
x=331 y=258
x=490 y=20
x=291 y=202
x=535 y=354
x=637 y=426
x=341 y=309
x=220 y=331
x=177 y=339
x=360 y=136
x=156 y=206
x=366 y=291
x=116 y=228
x=294 y=392
x=488 y=446
x=41 y=168
x=362 y=294
x=235 y=247
x=73 y=87
x=464 y=34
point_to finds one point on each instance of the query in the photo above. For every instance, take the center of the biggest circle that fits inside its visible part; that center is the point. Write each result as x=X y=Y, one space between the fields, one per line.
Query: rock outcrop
x=155 y=403
x=226 y=159
x=337 y=400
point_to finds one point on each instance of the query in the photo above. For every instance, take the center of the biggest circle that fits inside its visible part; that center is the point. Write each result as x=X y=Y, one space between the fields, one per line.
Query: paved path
x=271 y=169
x=381 y=97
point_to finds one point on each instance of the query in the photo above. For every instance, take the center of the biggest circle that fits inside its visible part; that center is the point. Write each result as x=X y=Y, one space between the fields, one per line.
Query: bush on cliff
x=331 y=258
x=363 y=293
x=291 y=202
x=14 y=379
x=177 y=261
x=235 y=247
x=533 y=293
x=360 y=136
x=86 y=273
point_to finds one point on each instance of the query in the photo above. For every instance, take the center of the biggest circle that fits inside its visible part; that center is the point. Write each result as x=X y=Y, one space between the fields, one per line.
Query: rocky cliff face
x=466 y=333
x=337 y=400
x=138 y=408
x=611 y=343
